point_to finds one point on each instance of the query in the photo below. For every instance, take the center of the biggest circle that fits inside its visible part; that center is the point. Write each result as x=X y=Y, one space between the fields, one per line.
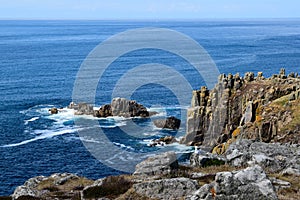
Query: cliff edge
x=249 y=107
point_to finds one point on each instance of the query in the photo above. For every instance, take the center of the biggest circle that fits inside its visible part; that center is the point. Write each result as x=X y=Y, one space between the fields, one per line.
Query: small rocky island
x=250 y=129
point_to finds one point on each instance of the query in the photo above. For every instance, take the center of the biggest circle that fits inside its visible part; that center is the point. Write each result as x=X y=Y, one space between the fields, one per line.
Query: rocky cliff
x=251 y=107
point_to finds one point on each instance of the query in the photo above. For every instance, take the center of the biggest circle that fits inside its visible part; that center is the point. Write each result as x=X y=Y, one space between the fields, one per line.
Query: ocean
x=39 y=63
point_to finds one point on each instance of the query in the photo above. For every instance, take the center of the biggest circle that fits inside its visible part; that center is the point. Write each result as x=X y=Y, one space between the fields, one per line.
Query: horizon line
x=152 y=19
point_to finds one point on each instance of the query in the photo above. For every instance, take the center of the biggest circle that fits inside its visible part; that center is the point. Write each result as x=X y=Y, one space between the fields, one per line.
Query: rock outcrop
x=174 y=188
x=250 y=183
x=169 y=123
x=157 y=165
x=128 y=108
x=42 y=187
x=273 y=157
x=252 y=107
x=120 y=107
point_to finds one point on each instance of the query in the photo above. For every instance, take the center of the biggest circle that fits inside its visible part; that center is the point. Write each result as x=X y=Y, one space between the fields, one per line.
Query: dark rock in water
x=53 y=110
x=128 y=108
x=163 y=141
x=174 y=188
x=158 y=164
x=104 y=111
x=250 y=183
x=170 y=123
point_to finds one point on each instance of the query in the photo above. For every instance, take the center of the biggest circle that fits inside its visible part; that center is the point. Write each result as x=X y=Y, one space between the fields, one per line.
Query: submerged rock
x=163 y=141
x=53 y=110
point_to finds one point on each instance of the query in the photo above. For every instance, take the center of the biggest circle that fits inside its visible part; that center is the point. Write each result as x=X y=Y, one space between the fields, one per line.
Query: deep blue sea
x=39 y=61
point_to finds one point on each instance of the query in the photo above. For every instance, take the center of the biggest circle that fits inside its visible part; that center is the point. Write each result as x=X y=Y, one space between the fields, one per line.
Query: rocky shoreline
x=251 y=126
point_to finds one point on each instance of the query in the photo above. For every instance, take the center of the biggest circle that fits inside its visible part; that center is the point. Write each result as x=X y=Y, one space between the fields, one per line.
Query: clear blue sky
x=148 y=9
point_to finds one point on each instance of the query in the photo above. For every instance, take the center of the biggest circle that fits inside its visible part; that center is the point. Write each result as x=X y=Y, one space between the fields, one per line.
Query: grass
x=72 y=184
x=288 y=193
x=111 y=187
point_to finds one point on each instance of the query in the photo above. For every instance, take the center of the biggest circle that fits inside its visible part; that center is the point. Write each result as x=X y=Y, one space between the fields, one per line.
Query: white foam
x=31 y=120
x=123 y=146
x=45 y=134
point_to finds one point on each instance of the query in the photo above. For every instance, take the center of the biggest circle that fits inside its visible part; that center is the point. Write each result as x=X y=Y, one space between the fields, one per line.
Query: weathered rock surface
x=45 y=187
x=175 y=188
x=158 y=164
x=262 y=108
x=82 y=108
x=128 y=108
x=273 y=157
x=250 y=183
x=169 y=123
x=29 y=188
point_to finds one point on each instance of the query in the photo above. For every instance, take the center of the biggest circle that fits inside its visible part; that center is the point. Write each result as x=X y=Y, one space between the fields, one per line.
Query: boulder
x=128 y=108
x=104 y=111
x=250 y=183
x=158 y=164
x=175 y=188
x=169 y=123
x=53 y=110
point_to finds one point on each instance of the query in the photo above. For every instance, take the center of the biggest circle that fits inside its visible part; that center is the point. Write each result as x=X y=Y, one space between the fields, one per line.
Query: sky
x=148 y=9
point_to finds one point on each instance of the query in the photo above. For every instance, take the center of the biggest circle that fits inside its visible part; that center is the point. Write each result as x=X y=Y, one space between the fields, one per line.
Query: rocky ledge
x=261 y=173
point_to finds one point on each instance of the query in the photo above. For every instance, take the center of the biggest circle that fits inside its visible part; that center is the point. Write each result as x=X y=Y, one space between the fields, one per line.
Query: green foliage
x=213 y=162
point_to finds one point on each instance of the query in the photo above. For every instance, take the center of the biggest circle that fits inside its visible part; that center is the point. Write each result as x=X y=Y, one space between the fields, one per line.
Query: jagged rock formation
x=128 y=108
x=250 y=183
x=244 y=106
x=169 y=123
x=120 y=107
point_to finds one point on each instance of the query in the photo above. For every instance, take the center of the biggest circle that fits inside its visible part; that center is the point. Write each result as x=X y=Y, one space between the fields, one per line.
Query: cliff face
x=249 y=107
